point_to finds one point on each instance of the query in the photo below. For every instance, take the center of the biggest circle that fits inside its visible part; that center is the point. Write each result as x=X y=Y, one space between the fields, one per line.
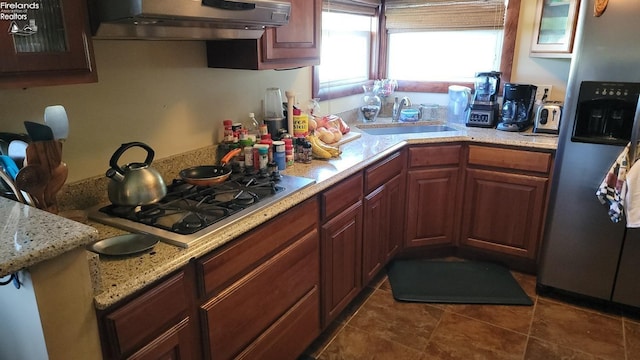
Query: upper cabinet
x=293 y=45
x=554 y=28
x=47 y=42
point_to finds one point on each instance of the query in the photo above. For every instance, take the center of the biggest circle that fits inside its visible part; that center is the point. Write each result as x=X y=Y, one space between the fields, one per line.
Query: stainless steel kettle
x=135 y=183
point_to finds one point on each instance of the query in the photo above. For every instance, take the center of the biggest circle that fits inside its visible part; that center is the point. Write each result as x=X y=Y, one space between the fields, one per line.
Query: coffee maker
x=484 y=109
x=517 y=107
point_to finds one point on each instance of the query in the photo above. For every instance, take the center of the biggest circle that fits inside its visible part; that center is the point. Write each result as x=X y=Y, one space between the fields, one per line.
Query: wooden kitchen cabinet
x=341 y=246
x=156 y=324
x=261 y=297
x=505 y=201
x=52 y=46
x=296 y=44
x=433 y=195
x=384 y=208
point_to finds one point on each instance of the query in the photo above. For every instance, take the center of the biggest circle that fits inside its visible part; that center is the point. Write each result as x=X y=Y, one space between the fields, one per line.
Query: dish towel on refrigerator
x=612 y=190
x=632 y=197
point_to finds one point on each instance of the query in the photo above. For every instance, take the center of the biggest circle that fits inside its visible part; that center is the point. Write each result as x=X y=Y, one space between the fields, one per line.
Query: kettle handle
x=124 y=147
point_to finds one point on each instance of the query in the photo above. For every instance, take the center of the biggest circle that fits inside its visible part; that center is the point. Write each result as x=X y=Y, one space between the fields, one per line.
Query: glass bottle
x=370 y=107
x=253 y=126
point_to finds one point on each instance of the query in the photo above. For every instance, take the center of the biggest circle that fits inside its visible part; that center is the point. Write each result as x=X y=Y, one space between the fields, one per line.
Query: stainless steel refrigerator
x=584 y=252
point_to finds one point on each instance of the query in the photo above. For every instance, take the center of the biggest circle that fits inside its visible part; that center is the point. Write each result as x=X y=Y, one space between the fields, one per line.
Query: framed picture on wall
x=554 y=28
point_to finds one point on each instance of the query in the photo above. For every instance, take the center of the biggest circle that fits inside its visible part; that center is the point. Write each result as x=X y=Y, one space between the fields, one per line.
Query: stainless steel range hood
x=186 y=19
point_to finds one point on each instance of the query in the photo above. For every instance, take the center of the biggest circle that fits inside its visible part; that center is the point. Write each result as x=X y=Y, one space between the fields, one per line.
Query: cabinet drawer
x=139 y=321
x=381 y=172
x=228 y=265
x=341 y=196
x=291 y=334
x=250 y=306
x=510 y=159
x=420 y=156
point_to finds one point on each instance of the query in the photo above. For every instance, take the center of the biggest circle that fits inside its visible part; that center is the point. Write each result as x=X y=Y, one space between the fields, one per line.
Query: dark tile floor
x=378 y=327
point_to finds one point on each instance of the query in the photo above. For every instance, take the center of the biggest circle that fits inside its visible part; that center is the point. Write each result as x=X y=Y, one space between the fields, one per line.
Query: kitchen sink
x=406 y=129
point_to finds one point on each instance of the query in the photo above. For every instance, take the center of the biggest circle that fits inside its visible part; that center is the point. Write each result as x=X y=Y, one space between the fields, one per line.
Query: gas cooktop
x=188 y=212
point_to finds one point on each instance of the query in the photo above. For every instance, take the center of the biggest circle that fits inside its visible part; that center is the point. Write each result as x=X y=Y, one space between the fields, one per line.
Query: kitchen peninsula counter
x=119 y=277
x=29 y=236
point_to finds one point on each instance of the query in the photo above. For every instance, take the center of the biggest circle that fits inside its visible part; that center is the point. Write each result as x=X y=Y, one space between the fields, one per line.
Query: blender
x=484 y=107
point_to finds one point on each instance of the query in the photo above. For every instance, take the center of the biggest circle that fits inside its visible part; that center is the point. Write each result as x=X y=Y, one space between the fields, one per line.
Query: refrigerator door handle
x=635 y=135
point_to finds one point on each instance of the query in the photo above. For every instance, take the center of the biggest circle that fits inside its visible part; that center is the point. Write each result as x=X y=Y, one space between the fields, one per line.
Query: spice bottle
x=228 y=131
x=266 y=139
x=306 y=152
x=263 y=158
x=248 y=157
x=300 y=123
x=279 y=154
x=288 y=151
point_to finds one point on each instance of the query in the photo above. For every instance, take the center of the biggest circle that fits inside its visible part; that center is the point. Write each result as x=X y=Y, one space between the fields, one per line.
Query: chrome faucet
x=398 y=106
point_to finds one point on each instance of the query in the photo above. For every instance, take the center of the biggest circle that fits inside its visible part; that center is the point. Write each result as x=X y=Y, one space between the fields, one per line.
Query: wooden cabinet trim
x=434 y=155
x=511 y=159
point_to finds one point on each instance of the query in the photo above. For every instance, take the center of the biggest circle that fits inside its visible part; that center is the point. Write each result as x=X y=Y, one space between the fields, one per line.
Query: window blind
x=424 y=15
x=360 y=7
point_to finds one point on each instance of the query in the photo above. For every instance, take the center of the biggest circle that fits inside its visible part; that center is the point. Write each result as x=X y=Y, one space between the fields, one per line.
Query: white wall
x=157 y=92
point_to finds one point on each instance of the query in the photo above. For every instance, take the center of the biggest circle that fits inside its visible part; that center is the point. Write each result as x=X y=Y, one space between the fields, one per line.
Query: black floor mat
x=454 y=282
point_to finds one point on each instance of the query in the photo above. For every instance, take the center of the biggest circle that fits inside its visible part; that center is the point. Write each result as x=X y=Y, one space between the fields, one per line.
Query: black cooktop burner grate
x=187 y=208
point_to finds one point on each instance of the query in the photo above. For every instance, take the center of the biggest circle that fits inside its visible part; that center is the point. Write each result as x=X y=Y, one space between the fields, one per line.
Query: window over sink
x=414 y=44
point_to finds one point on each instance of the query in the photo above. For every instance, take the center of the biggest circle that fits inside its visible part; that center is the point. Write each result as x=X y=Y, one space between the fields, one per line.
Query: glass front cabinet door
x=45 y=42
x=554 y=28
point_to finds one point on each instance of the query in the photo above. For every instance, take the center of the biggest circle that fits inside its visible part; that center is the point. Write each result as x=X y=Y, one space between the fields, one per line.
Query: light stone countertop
x=119 y=277
x=29 y=236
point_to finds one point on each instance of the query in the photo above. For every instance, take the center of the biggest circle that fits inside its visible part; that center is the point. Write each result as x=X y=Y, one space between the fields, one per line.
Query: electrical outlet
x=541 y=91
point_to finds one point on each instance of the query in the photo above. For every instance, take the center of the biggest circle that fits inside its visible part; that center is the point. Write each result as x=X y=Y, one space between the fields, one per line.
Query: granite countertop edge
x=31 y=236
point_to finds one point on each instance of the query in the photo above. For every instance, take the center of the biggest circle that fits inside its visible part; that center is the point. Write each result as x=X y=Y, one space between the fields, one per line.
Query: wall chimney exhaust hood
x=186 y=19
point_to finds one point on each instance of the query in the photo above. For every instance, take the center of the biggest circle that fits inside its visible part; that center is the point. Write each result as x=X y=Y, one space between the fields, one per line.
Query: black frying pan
x=207 y=175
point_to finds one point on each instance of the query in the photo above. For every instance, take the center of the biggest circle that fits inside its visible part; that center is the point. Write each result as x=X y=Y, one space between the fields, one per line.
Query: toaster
x=547 y=118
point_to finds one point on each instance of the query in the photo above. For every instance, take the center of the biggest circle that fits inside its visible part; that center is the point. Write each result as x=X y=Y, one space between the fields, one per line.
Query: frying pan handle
x=229 y=156
x=124 y=147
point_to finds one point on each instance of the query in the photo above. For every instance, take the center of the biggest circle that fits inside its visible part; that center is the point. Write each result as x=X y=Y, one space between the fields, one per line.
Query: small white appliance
x=547 y=118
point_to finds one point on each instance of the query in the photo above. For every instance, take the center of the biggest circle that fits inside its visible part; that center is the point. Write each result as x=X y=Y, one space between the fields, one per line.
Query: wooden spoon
x=58 y=178
x=33 y=179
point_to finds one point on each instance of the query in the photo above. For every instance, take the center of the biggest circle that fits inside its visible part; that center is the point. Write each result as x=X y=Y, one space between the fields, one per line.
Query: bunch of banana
x=320 y=150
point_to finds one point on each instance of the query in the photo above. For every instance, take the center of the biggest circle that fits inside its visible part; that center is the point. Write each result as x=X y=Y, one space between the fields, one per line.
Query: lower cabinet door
x=341 y=243
x=503 y=212
x=396 y=210
x=432 y=198
x=375 y=233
